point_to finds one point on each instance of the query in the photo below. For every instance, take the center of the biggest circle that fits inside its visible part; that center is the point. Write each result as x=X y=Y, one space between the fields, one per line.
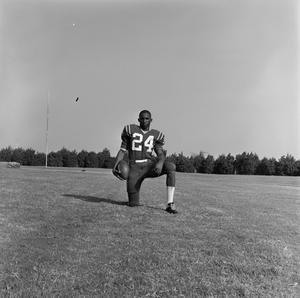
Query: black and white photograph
x=149 y=148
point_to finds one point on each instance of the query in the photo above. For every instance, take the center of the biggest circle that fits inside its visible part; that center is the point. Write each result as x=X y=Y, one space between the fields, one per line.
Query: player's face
x=145 y=120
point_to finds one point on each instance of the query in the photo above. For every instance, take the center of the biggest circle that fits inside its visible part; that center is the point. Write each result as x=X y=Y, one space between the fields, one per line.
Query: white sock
x=170 y=194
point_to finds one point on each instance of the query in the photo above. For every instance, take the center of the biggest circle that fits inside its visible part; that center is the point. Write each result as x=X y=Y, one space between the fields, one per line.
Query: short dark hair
x=145 y=111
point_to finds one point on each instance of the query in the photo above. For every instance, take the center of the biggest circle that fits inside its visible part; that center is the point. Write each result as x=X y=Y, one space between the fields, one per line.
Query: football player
x=140 y=141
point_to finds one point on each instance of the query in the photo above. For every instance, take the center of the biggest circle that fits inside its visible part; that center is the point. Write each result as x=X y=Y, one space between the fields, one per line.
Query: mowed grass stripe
x=70 y=234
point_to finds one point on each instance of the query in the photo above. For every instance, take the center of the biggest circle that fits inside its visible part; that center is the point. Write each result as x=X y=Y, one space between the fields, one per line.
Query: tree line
x=242 y=164
x=61 y=158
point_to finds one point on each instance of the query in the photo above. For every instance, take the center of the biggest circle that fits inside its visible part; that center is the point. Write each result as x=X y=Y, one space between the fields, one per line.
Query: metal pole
x=47 y=127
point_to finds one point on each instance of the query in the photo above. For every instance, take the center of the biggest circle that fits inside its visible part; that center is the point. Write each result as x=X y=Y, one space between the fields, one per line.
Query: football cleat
x=171 y=208
x=122 y=170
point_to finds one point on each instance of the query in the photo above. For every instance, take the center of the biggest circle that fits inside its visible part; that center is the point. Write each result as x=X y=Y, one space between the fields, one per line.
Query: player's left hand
x=158 y=168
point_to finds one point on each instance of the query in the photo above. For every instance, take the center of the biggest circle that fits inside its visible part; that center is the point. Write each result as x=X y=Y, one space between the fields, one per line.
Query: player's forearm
x=119 y=156
x=161 y=157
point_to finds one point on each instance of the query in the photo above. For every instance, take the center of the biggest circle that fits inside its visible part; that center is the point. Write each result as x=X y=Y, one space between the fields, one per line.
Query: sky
x=219 y=76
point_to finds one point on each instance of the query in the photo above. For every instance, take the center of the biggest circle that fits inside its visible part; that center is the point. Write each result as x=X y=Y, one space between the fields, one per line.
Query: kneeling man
x=140 y=141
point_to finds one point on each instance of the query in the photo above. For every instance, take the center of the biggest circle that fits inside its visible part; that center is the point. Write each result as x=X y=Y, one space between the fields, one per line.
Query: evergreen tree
x=297 y=168
x=104 y=159
x=55 y=159
x=39 y=159
x=286 y=165
x=82 y=159
x=29 y=157
x=92 y=160
x=18 y=155
x=266 y=166
x=72 y=159
x=199 y=163
x=230 y=164
x=6 y=154
x=246 y=163
x=184 y=164
x=209 y=164
x=69 y=158
x=221 y=165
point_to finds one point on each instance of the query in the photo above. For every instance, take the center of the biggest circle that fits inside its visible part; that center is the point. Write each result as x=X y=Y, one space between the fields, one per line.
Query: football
x=123 y=170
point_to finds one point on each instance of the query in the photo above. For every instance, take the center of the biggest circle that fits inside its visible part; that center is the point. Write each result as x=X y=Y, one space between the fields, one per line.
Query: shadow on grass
x=92 y=199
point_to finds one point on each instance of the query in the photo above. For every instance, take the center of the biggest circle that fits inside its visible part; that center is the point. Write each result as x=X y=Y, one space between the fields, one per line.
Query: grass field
x=69 y=233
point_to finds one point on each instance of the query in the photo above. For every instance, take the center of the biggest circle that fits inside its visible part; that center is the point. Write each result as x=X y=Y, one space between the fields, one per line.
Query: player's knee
x=170 y=167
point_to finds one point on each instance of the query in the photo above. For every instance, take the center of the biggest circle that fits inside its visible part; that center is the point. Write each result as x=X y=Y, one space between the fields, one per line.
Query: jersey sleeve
x=125 y=137
x=160 y=141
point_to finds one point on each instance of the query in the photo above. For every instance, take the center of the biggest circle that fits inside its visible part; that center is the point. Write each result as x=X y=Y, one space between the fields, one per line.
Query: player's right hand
x=116 y=173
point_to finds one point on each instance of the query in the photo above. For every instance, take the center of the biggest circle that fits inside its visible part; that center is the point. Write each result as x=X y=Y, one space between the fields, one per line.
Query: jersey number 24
x=138 y=141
